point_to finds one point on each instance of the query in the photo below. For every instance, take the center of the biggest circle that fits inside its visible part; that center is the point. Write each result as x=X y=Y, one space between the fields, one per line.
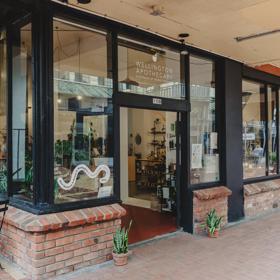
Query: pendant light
x=182 y=38
x=127 y=80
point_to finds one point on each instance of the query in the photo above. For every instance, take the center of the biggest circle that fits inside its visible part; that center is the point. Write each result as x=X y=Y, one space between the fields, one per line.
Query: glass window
x=203 y=128
x=3 y=114
x=22 y=113
x=148 y=70
x=254 y=135
x=272 y=131
x=83 y=111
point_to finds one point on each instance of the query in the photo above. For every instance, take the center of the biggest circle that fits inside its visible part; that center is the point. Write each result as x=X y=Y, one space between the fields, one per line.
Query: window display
x=147 y=70
x=254 y=131
x=3 y=113
x=272 y=130
x=203 y=129
x=83 y=111
x=22 y=106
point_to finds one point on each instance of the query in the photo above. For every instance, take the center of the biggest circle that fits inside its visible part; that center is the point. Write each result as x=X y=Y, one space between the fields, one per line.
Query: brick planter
x=261 y=198
x=54 y=244
x=206 y=199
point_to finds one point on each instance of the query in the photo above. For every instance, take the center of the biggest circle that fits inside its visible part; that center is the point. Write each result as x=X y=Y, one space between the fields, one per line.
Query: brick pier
x=54 y=244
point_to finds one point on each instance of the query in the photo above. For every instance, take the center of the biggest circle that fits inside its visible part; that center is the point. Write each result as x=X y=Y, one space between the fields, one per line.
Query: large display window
x=260 y=131
x=22 y=111
x=83 y=111
x=149 y=70
x=204 y=146
x=3 y=113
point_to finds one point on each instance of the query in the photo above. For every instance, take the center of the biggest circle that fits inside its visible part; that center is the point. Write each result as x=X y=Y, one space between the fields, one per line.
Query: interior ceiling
x=212 y=25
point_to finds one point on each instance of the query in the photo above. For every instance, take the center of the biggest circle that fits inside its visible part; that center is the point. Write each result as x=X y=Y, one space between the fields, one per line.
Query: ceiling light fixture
x=182 y=38
x=155 y=57
x=83 y=1
x=156 y=10
x=256 y=35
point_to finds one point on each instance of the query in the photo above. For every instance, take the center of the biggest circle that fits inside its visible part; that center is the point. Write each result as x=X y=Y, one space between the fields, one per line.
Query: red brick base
x=262 y=197
x=206 y=199
x=54 y=244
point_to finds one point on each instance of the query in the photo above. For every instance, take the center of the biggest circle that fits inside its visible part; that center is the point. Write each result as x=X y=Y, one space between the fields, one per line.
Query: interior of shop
x=83 y=110
x=148 y=181
x=257 y=139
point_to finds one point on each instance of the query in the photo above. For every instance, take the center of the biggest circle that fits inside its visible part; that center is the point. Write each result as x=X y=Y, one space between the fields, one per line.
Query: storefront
x=176 y=129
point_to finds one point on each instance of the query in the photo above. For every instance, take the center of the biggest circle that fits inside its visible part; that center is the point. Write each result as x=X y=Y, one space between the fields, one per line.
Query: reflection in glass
x=3 y=114
x=203 y=128
x=83 y=111
x=272 y=131
x=22 y=113
x=254 y=136
x=148 y=70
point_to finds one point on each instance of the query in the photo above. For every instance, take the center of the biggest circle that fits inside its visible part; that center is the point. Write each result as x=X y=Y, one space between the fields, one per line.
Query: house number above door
x=157 y=101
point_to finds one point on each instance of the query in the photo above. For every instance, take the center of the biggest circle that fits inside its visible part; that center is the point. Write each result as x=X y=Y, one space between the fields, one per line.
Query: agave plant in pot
x=120 y=245
x=213 y=224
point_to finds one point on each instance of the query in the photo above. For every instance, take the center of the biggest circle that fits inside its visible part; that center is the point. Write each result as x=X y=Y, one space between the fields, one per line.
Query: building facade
x=172 y=130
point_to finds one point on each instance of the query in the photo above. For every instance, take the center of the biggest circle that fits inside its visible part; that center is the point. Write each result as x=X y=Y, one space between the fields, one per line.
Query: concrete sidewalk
x=247 y=251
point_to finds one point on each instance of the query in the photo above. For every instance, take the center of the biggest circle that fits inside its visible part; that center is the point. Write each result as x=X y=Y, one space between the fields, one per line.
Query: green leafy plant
x=121 y=240
x=213 y=222
x=3 y=179
x=272 y=157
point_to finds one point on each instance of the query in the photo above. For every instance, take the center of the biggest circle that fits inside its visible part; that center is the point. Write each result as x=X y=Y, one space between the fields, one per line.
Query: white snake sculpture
x=82 y=167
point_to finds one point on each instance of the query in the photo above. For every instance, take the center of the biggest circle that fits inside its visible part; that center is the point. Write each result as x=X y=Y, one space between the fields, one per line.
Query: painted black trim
x=41 y=209
x=266 y=148
x=144 y=101
x=260 y=179
x=233 y=137
x=42 y=103
x=260 y=76
x=116 y=116
x=186 y=193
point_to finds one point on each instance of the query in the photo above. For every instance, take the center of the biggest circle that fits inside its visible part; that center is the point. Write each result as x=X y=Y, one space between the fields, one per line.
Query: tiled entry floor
x=247 y=251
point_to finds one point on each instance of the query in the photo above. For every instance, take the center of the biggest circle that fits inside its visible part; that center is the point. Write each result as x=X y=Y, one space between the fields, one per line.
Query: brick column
x=49 y=245
x=206 y=199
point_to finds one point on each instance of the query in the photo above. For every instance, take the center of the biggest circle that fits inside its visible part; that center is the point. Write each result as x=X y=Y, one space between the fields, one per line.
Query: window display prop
x=88 y=172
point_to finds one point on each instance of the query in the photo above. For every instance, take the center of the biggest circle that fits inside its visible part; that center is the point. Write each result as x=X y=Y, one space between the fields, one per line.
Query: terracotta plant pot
x=215 y=233
x=120 y=259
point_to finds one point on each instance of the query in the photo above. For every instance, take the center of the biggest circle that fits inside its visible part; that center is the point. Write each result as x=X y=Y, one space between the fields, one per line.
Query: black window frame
x=219 y=119
x=268 y=80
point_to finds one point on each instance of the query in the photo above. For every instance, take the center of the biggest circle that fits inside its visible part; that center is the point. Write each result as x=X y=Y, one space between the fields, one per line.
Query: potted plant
x=213 y=224
x=120 y=246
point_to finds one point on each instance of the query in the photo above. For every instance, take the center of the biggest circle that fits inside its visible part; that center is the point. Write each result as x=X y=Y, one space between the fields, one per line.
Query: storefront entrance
x=148 y=141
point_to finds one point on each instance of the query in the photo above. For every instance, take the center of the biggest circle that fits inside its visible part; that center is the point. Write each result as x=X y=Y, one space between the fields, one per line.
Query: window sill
x=41 y=223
